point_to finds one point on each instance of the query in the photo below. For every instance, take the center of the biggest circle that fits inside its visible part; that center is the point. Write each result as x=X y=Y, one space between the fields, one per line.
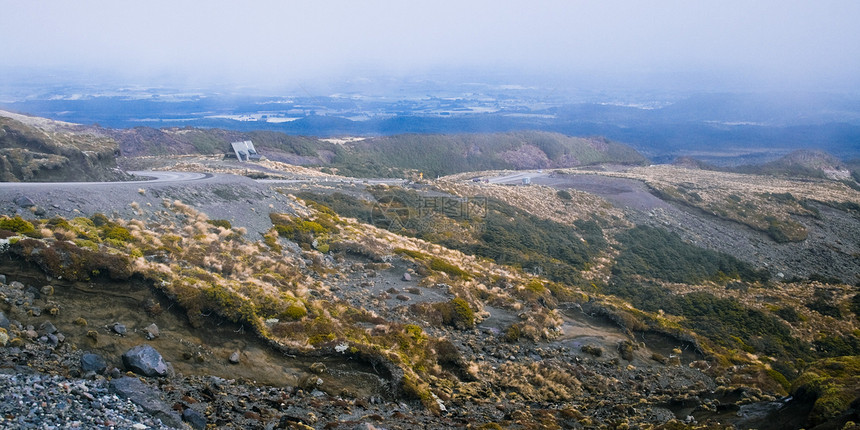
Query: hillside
x=438 y=155
x=802 y=163
x=389 y=156
x=590 y=298
x=35 y=149
x=597 y=296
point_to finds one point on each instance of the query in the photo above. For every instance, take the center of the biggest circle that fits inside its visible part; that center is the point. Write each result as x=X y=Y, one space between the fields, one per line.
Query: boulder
x=145 y=360
x=407 y=277
x=234 y=357
x=146 y=397
x=93 y=363
x=24 y=201
x=195 y=419
x=47 y=328
x=4 y=322
x=151 y=331
x=119 y=329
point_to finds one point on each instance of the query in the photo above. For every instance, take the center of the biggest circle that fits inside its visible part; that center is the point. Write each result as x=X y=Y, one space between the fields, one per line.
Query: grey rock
x=93 y=363
x=119 y=329
x=407 y=277
x=24 y=201
x=16 y=285
x=145 y=360
x=151 y=331
x=4 y=322
x=234 y=357
x=47 y=290
x=53 y=340
x=194 y=419
x=146 y=397
x=2 y=279
x=47 y=328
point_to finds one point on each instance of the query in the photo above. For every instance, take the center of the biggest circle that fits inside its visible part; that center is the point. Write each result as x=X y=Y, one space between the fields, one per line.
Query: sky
x=812 y=45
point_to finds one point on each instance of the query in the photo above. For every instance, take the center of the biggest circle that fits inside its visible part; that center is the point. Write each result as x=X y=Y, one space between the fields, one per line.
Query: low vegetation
x=659 y=254
x=477 y=249
x=772 y=205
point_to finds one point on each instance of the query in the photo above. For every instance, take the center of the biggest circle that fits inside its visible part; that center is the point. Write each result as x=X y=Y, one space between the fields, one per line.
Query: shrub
x=593 y=350
x=788 y=313
x=855 y=305
x=118 y=233
x=444 y=266
x=295 y=312
x=625 y=349
x=457 y=313
x=663 y=255
x=17 y=225
x=779 y=378
x=564 y=195
x=221 y=223
x=99 y=219
x=418 y=255
x=513 y=333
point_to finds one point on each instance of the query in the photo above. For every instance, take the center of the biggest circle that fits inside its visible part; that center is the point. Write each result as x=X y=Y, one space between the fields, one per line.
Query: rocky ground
x=831 y=248
x=225 y=378
x=240 y=200
x=51 y=379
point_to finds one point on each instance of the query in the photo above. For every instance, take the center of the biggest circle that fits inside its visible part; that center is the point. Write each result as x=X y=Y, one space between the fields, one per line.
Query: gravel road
x=242 y=201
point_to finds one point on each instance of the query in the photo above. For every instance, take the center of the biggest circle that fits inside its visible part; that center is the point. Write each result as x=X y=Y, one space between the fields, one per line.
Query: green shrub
x=788 y=313
x=295 y=312
x=414 y=331
x=321 y=338
x=456 y=313
x=779 y=378
x=592 y=350
x=17 y=225
x=564 y=195
x=513 y=333
x=418 y=255
x=444 y=266
x=99 y=219
x=660 y=254
x=118 y=233
x=221 y=223
x=855 y=305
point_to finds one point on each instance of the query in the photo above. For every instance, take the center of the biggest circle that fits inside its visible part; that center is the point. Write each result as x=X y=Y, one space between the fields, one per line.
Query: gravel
x=240 y=200
x=38 y=401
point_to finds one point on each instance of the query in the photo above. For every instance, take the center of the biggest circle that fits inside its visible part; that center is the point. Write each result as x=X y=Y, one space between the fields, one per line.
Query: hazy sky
x=810 y=44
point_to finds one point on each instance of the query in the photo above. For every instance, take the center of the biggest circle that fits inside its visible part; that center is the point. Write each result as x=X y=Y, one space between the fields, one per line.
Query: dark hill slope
x=44 y=151
x=447 y=154
x=141 y=141
x=809 y=163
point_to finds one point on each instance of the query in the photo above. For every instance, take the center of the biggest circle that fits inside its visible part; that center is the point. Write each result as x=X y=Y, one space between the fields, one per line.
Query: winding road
x=156 y=178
